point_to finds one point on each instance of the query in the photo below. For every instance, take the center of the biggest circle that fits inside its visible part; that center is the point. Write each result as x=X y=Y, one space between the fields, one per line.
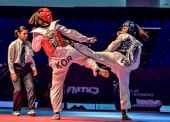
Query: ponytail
x=142 y=35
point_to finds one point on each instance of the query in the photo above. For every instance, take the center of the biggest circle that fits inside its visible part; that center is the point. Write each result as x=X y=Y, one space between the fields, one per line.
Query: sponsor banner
x=149 y=87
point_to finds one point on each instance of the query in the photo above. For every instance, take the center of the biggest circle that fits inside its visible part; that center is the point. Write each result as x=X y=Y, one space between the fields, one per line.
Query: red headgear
x=46 y=14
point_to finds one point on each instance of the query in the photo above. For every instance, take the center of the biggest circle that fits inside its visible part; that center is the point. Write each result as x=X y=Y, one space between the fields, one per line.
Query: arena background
x=150 y=84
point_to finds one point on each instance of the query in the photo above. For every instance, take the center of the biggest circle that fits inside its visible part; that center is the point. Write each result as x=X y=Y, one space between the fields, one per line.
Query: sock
x=57 y=112
x=123 y=112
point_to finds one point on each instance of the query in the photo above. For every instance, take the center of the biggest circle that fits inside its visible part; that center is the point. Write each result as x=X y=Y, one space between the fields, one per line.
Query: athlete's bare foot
x=103 y=72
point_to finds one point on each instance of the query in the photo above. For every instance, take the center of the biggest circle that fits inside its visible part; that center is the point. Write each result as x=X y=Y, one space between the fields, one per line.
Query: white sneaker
x=16 y=113
x=31 y=112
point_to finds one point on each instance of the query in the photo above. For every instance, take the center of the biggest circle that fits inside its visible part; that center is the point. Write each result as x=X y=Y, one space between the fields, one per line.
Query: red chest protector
x=48 y=47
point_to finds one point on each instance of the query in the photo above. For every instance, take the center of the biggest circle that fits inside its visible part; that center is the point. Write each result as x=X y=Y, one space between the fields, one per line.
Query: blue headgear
x=131 y=27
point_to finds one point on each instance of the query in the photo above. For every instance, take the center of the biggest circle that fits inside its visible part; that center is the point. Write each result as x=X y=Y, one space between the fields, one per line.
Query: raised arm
x=74 y=35
x=115 y=44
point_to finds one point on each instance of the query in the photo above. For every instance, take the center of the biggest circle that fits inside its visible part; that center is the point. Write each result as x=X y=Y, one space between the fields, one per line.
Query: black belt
x=18 y=64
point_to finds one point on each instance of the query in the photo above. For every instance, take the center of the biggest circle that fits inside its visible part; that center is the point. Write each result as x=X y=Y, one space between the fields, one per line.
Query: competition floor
x=44 y=115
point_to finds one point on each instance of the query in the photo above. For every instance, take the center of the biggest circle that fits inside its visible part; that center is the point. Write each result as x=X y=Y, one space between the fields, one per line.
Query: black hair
x=20 y=29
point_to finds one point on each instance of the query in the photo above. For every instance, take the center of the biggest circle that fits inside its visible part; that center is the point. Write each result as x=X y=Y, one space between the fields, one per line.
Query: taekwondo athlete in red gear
x=122 y=56
x=61 y=55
